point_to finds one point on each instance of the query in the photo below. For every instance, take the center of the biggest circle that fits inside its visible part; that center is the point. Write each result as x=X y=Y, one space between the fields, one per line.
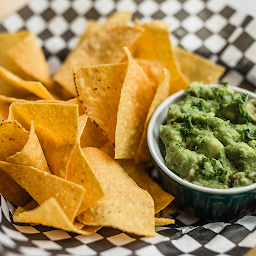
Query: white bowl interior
x=158 y=118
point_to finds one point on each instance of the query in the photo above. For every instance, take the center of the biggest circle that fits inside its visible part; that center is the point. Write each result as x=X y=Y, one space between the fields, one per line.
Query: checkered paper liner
x=209 y=28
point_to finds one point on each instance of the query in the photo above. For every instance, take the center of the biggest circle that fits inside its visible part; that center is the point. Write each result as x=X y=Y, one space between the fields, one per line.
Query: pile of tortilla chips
x=73 y=151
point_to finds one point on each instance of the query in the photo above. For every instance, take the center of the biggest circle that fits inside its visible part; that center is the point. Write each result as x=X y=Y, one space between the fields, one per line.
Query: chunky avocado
x=209 y=138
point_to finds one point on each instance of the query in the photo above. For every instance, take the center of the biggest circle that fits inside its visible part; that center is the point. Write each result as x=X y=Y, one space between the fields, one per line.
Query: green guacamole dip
x=210 y=137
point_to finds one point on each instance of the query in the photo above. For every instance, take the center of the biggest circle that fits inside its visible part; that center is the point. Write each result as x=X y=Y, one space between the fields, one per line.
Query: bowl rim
x=160 y=162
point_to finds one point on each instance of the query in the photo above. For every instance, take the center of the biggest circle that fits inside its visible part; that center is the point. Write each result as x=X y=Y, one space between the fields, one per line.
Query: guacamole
x=209 y=138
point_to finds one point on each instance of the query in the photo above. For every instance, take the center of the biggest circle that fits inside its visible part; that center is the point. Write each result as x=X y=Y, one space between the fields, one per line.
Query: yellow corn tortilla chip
x=81 y=173
x=99 y=89
x=164 y=221
x=102 y=48
x=139 y=174
x=198 y=68
x=153 y=69
x=117 y=19
x=50 y=214
x=13 y=137
x=43 y=185
x=80 y=105
x=136 y=96
x=155 y=44
x=7 y=41
x=15 y=82
x=161 y=94
x=56 y=126
x=29 y=56
x=92 y=136
x=125 y=206
x=32 y=153
x=109 y=148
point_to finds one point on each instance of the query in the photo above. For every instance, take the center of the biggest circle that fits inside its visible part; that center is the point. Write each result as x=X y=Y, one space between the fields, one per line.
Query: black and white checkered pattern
x=190 y=236
x=208 y=28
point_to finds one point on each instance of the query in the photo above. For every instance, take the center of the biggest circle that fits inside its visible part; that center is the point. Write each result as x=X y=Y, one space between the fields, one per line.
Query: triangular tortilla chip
x=99 y=89
x=50 y=214
x=198 y=68
x=136 y=96
x=11 y=80
x=32 y=153
x=102 y=48
x=117 y=19
x=8 y=40
x=139 y=174
x=164 y=221
x=13 y=137
x=56 y=126
x=43 y=185
x=155 y=44
x=162 y=93
x=153 y=69
x=125 y=206
x=29 y=56
x=5 y=103
x=81 y=173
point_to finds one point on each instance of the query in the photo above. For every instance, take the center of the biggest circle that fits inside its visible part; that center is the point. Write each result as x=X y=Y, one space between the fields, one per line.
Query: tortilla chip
x=25 y=87
x=99 y=89
x=8 y=40
x=80 y=105
x=109 y=148
x=92 y=136
x=29 y=56
x=136 y=96
x=117 y=19
x=155 y=44
x=161 y=94
x=50 y=214
x=102 y=48
x=13 y=137
x=125 y=206
x=139 y=174
x=153 y=69
x=32 y=153
x=12 y=191
x=81 y=173
x=43 y=185
x=164 y=221
x=56 y=126
x=198 y=68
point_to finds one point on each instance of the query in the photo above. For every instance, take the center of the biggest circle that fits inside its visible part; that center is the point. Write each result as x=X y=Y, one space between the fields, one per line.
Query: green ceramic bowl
x=205 y=203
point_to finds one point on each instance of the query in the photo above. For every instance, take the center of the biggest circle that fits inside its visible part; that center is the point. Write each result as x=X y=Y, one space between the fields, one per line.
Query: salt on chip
x=99 y=89
x=80 y=172
x=155 y=44
x=31 y=154
x=43 y=185
x=164 y=221
x=162 y=92
x=33 y=87
x=13 y=137
x=136 y=96
x=102 y=48
x=29 y=56
x=139 y=174
x=125 y=206
x=50 y=214
x=56 y=126
x=198 y=68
